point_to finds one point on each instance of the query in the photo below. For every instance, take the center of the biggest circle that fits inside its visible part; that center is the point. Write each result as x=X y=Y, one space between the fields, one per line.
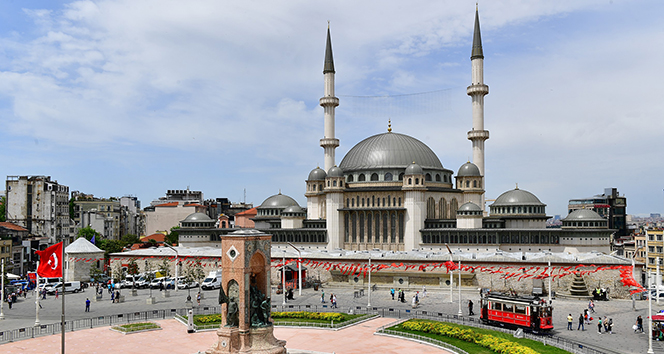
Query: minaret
x=477 y=90
x=329 y=102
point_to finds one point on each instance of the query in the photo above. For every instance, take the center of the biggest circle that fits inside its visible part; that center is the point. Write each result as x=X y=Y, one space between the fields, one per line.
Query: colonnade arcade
x=374 y=228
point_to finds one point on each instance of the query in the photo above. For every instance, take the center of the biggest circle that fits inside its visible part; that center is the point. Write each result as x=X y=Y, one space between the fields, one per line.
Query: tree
x=71 y=208
x=198 y=273
x=110 y=246
x=149 y=274
x=130 y=239
x=165 y=268
x=132 y=269
x=118 y=273
x=88 y=232
x=173 y=236
x=95 y=273
x=3 y=209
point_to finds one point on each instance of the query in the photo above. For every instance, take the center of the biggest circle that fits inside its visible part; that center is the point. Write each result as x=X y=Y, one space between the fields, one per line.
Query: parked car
x=183 y=284
x=169 y=283
x=157 y=283
x=213 y=281
x=142 y=282
x=102 y=279
x=128 y=282
x=70 y=286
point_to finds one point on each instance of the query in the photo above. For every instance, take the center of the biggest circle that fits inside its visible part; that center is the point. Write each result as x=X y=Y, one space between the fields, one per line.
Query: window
x=467 y=184
x=401 y=176
x=427 y=177
x=361 y=177
x=388 y=176
x=508 y=308
x=497 y=306
x=410 y=181
x=374 y=177
x=334 y=183
x=350 y=178
x=437 y=177
x=474 y=184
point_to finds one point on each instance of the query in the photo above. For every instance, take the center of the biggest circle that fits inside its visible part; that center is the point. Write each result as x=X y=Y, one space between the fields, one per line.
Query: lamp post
x=460 y=313
x=299 y=269
x=283 y=278
x=176 y=265
x=633 y=265
x=451 y=275
x=549 y=283
x=650 y=351
x=2 y=292
x=369 y=302
x=658 y=277
x=37 y=323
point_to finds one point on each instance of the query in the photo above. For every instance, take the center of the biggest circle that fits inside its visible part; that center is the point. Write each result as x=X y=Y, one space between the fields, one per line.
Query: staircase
x=578 y=287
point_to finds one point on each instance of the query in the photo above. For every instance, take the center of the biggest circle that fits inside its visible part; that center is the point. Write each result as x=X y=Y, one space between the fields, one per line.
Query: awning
x=13 y=276
x=292 y=267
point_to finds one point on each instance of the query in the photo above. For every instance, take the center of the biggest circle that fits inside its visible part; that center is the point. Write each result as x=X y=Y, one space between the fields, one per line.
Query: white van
x=47 y=282
x=213 y=281
x=70 y=286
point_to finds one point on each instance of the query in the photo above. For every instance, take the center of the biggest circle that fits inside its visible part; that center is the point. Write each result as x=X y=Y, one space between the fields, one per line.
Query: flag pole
x=38 y=296
x=62 y=325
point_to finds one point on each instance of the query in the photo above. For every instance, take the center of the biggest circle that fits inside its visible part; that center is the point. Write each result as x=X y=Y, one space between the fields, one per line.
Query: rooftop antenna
x=245 y=196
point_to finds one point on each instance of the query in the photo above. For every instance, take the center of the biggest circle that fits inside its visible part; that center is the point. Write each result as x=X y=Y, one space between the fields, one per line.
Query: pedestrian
x=322 y=297
x=417 y=297
x=117 y=296
x=581 y=322
x=9 y=302
x=331 y=299
x=606 y=324
x=334 y=301
x=198 y=298
x=591 y=306
x=424 y=291
x=87 y=305
x=639 y=324
x=392 y=293
x=470 y=308
x=609 y=326
x=112 y=297
x=56 y=294
x=585 y=316
x=570 y=319
x=599 y=325
x=44 y=294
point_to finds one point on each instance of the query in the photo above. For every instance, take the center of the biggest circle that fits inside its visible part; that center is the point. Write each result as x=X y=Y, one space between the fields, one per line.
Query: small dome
x=584 y=215
x=469 y=169
x=293 y=209
x=517 y=197
x=317 y=174
x=197 y=217
x=335 y=172
x=279 y=201
x=470 y=206
x=414 y=169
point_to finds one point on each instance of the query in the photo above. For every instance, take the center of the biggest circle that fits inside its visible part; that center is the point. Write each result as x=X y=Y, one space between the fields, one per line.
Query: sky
x=130 y=97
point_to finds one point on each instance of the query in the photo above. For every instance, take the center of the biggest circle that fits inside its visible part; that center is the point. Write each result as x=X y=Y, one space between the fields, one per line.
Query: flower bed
x=299 y=316
x=487 y=341
x=136 y=327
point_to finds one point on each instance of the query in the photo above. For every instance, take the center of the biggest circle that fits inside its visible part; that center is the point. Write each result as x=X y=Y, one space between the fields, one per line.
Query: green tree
x=110 y=246
x=132 y=269
x=130 y=239
x=118 y=274
x=173 y=236
x=71 y=208
x=3 y=209
x=165 y=268
x=95 y=273
x=88 y=232
x=198 y=273
x=149 y=274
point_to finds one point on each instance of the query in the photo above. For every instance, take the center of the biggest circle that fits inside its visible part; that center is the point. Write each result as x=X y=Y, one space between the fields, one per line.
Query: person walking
x=56 y=294
x=87 y=305
x=322 y=297
x=585 y=316
x=570 y=319
x=334 y=301
x=639 y=324
x=591 y=306
x=599 y=325
x=470 y=308
x=112 y=297
x=9 y=302
x=424 y=291
x=392 y=293
x=581 y=322
x=605 y=322
x=198 y=298
x=609 y=326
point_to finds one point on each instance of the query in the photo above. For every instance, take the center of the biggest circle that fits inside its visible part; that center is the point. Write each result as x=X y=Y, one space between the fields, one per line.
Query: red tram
x=516 y=311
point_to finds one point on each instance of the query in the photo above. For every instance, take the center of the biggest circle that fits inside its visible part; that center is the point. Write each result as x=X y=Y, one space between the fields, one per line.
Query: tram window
x=497 y=306
x=508 y=308
x=520 y=309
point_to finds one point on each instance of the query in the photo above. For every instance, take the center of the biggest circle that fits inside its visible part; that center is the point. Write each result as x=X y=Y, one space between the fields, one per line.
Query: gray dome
x=293 y=209
x=389 y=150
x=335 y=172
x=469 y=169
x=414 y=169
x=470 y=206
x=279 y=201
x=317 y=174
x=197 y=217
x=517 y=197
x=584 y=215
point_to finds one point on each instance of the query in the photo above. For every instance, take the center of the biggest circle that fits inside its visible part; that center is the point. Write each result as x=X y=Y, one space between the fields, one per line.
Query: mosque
x=391 y=192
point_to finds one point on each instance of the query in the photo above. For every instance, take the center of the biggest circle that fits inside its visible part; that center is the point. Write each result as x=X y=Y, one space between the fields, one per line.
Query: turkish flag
x=50 y=262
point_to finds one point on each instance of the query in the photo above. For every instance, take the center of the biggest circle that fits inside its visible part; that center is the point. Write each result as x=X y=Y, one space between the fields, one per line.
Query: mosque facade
x=391 y=192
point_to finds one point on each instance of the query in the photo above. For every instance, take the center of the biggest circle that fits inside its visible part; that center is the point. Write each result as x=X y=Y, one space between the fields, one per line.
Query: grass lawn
x=475 y=348
x=205 y=320
x=139 y=326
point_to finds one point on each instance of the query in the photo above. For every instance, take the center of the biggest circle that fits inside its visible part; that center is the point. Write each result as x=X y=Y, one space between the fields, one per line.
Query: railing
x=99 y=321
x=420 y=338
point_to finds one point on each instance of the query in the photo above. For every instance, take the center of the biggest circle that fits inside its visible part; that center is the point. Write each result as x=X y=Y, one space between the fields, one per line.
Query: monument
x=245 y=295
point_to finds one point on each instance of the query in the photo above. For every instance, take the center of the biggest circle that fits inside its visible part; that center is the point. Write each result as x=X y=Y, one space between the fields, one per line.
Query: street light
x=176 y=265
x=451 y=274
x=299 y=269
x=369 y=301
x=2 y=292
x=283 y=278
x=650 y=351
x=633 y=265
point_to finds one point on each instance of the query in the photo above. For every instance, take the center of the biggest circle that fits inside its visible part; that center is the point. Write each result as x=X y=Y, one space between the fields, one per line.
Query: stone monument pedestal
x=255 y=340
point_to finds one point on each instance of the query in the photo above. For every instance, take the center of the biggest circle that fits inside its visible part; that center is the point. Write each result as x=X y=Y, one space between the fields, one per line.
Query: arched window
x=467 y=184
x=410 y=181
x=328 y=183
x=388 y=176
x=347 y=203
x=334 y=183
x=341 y=183
x=363 y=202
x=320 y=188
x=313 y=187
x=454 y=205
x=427 y=177
x=369 y=227
x=361 y=178
x=399 y=201
x=417 y=181
x=350 y=178
x=354 y=227
x=362 y=225
x=388 y=201
x=437 y=177
x=442 y=209
x=352 y=202
x=474 y=184
x=431 y=208
x=401 y=176
x=373 y=201
x=374 y=177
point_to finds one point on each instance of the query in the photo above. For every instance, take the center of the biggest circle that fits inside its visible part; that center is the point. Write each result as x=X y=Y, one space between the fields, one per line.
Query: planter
x=150 y=301
x=166 y=293
x=188 y=303
x=134 y=292
x=316 y=285
x=120 y=298
x=97 y=298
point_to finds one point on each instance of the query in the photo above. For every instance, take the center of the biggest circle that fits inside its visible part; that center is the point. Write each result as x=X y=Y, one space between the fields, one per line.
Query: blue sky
x=136 y=97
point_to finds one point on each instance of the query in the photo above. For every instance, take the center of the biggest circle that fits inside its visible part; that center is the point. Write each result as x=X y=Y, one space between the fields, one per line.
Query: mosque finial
x=517 y=186
x=328 y=24
x=279 y=191
x=389 y=125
